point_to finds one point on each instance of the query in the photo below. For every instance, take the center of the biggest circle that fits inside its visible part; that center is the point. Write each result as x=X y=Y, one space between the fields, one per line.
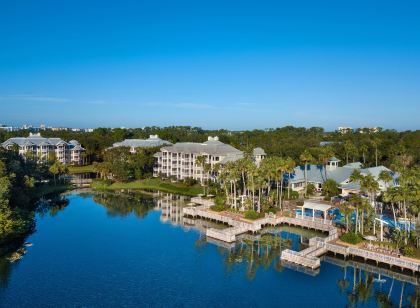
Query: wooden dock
x=308 y=257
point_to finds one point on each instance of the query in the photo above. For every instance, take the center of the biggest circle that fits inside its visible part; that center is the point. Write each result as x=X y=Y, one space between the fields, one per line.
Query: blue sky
x=214 y=64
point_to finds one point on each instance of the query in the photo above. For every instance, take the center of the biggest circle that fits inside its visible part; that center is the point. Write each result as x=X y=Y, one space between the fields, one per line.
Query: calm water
x=110 y=250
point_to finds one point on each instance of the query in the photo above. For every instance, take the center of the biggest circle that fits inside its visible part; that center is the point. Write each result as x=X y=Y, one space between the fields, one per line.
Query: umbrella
x=370 y=238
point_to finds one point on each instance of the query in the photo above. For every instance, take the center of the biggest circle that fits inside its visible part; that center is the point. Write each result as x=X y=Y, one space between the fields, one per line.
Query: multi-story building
x=41 y=148
x=180 y=160
x=345 y=130
x=133 y=144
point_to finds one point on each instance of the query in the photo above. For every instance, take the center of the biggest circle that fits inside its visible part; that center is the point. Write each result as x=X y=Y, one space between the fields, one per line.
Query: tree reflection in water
x=124 y=204
x=51 y=206
x=364 y=286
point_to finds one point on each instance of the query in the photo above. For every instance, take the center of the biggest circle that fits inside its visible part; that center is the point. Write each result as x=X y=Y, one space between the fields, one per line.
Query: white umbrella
x=370 y=238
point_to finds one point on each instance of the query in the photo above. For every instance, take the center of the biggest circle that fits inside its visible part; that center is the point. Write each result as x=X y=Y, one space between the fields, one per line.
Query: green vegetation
x=120 y=165
x=22 y=182
x=351 y=238
x=150 y=184
x=252 y=215
x=218 y=207
x=372 y=149
x=81 y=169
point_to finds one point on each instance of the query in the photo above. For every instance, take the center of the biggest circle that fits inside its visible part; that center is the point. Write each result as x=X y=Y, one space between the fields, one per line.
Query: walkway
x=308 y=257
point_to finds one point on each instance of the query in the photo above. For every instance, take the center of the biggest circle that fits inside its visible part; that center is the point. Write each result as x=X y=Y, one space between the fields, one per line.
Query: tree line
x=372 y=149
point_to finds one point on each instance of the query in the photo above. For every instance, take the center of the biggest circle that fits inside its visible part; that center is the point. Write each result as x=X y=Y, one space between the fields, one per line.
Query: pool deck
x=309 y=257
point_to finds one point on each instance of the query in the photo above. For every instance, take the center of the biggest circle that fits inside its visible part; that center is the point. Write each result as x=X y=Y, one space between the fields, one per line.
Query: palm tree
x=375 y=143
x=370 y=186
x=306 y=158
x=324 y=156
x=290 y=167
x=349 y=148
x=386 y=177
x=200 y=161
x=355 y=176
x=282 y=166
x=54 y=169
x=206 y=168
x=364 y=148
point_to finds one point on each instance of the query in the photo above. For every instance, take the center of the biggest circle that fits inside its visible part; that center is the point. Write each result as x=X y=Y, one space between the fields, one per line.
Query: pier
x=309 y=257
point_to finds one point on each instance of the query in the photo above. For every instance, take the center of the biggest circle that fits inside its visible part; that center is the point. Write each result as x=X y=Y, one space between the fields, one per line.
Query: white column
x=313 y=215
x=382 y=231
x=325 y=216
x=303 y=211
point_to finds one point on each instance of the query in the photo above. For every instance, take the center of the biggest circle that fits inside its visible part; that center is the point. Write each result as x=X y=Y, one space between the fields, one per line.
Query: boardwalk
x=308 y=257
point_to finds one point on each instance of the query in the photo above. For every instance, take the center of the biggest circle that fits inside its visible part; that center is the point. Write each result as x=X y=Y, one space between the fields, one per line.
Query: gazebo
x=315 y=207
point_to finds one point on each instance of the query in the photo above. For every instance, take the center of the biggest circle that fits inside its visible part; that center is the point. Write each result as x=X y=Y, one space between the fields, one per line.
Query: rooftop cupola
x=332 y=163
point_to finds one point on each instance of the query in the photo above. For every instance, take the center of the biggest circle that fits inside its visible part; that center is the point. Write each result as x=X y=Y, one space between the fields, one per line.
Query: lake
x=106 y=249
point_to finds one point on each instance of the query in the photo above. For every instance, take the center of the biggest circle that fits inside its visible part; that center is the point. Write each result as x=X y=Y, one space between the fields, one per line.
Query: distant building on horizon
x=344 y=130
x=40 y=147
x=368 y=130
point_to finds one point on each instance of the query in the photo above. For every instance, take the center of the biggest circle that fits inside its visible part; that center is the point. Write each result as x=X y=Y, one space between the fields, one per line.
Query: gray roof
x=33 y=140
x=258 y=151
x=74 y=142
x=334 y=159
x=77 y=147
x=152 y=141
x=316 y=174
x=351 y=185
x=210 y=147
x=356 y=165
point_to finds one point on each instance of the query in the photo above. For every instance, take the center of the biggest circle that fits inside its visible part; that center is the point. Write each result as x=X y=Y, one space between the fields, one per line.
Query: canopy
x=316 y=206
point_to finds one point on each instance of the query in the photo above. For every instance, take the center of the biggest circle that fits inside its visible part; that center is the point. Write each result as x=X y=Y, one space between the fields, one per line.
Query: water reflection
x=359 y=284
x=51 y=205
x=122 y=204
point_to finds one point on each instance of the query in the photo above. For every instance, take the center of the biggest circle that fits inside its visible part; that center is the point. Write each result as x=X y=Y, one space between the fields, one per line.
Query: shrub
x=408 y=251
x=299 y=202
x=189 y=181
x=250 y=214
x=310 y=189
x=291 y=195
x=351 y=238
x=220 y=200
x=218 y=208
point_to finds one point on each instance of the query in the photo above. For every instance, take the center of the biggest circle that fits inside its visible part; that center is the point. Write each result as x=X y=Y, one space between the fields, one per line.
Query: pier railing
x=305 y=258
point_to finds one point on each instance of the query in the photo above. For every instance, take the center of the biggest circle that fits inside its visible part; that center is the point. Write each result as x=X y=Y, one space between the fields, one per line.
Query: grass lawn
x=81 y=169
x=152 y=184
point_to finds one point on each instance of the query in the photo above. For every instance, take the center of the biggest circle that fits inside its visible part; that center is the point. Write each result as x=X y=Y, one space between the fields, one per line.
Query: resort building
x=40 y=147
x=133 y=144
x=344 y=130
x=180 y=160
x=341 y=175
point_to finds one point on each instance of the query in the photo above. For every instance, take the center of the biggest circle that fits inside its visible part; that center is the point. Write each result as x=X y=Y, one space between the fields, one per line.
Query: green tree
x=306 y=157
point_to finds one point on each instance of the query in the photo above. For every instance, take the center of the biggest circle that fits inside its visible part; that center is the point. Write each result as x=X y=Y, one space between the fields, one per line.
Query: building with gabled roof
x=133 y=144
x=179 y=160
x=41 y=147
x=341 y=175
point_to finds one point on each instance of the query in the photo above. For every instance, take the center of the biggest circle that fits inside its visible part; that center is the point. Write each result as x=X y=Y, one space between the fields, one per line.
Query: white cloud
x=34 y=98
